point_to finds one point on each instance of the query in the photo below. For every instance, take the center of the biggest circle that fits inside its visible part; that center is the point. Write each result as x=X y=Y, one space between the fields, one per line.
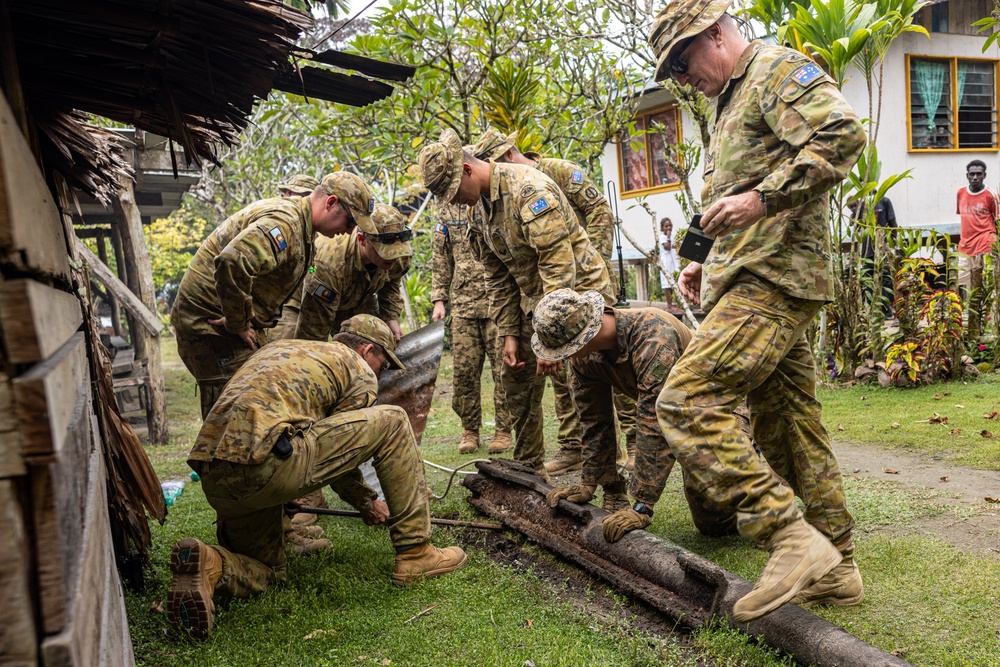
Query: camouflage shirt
x=650 y=340
x=785 y=130
x=246 y=268
x=591 y=208
x=457 y=276
x=342 y=286
x=530 y=244
x=283 y=389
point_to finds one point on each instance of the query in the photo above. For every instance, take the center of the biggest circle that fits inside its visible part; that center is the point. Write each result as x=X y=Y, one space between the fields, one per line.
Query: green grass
x=932 y=603
x=868 y=414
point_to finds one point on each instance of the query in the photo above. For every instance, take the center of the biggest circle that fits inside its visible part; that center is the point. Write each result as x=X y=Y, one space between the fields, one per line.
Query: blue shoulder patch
x=324 y=293
x=371 y=205
x=807 y=74
x=442 y=228
x=277 y=238
x=577 y=176
x=539 y=205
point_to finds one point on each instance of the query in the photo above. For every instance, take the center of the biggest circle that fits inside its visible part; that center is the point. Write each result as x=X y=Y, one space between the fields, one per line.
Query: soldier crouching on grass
x=632 y=352
x=300 y=415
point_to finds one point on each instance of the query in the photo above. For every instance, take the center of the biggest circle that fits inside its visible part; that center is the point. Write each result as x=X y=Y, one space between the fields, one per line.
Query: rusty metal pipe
x=687 y=588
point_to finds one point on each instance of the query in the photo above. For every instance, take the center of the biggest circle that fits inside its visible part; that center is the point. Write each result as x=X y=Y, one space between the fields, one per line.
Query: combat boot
x=469 y=443
x=800 y=556
x=300 y=544
x=314 y=499
x=841 y=587
x=615 y=498
x=308 y=531
x=501 y=442
x=565 y=460
x=630 y=450
x=425 y=561
x=197 y=568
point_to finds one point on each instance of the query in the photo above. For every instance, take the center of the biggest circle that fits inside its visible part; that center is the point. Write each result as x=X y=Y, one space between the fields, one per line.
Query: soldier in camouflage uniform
x=354 y=273
x=299 y=185
x=631 y=351
x=247 y=268
x=530 y=243
x=595 y=216
x=458 y=279
x=784 y=136
x=297 y=416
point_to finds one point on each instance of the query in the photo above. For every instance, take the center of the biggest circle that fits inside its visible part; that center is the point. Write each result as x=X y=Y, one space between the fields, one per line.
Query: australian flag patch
x=324 y=293
x=807 y=74
x=539 y=205
x=577 y=176
x=442 y=228
x=277 y=238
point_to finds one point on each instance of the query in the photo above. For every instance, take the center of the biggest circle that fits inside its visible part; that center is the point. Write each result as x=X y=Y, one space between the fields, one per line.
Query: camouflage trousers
x=285 y=328
x=753 y=345
x=248 y=499
x=472 y=341
x=625 y=413
x=570 y=433
x=212 y=360
x=523 y=390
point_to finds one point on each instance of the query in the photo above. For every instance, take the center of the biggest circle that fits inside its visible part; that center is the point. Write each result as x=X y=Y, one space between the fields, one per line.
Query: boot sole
x=809 y=577
x=407 y=580
x=188 y=606
x=498 y=450
x=834 y=601
x=467 y=450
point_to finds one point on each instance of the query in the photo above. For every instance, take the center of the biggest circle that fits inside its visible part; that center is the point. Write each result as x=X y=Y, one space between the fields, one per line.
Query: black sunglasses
x=677 y=64
x=390 y=237
x=351 y=224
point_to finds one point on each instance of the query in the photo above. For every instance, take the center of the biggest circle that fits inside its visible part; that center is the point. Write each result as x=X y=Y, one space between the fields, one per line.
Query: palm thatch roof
x=190 y=70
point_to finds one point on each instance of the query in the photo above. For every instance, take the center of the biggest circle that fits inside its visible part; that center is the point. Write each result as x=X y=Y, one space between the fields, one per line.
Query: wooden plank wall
x=62 y=598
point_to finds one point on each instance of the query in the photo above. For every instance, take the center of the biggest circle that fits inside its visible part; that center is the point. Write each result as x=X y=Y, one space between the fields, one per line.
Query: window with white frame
x=951 y=103
x=642 y=155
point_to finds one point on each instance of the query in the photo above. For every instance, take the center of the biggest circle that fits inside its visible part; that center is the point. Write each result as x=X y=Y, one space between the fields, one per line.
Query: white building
x=948 y=70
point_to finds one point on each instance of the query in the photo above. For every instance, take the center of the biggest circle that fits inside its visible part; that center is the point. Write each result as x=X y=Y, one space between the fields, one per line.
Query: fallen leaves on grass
x=944 y=478
x=531 y=622
x=840 y=427
x=936 y=419
x=900 y=651
x=960 y=407
x=864 y=398
x=978 y=396
x=895 y=425
x=320 y=633
x=890 y=471
x=991 y=500
x=857 y=470
x=955 y=431
x=986 y=434
x=992 y=414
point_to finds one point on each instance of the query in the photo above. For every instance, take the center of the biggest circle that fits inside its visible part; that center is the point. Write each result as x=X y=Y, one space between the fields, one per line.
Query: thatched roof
x=190 y=70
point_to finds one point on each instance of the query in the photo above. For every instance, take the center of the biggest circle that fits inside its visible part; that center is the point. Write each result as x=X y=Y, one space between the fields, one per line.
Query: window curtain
x=963 y=69
x=930 y=85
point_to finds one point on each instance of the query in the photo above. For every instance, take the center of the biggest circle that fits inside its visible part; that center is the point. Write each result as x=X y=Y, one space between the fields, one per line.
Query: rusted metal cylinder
x=687 y=588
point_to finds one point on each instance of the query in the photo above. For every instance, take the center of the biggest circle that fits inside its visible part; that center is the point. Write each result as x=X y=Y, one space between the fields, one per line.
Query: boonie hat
x=300 y=185
x=372 y=328
x=493 y=144
x=564 y=322
x=678 y=20
x=388 y=233
x=354 y=192
x=441 y=166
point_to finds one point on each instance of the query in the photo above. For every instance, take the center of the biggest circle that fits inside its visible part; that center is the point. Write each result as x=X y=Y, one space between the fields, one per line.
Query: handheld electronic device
x=696 y=245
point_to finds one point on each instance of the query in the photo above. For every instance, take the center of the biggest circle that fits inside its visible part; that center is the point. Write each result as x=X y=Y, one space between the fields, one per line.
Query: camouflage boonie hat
x=387 y=220
x=677 y=21
x=372 y=328
x=353 y=192
x=564 y=322
x=300 y=185
x=441 y=166
x=493 y=144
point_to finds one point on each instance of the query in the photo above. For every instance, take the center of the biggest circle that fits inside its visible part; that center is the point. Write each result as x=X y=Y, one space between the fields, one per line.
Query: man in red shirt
x=979 y=207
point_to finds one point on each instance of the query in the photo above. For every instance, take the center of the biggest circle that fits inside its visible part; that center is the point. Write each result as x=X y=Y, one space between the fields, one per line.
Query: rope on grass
x=455 y=471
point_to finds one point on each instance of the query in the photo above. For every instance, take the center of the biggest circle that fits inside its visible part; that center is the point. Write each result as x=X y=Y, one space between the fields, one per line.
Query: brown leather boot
x=469 y=443
x=426 y=561
x=197 y=568
x=565 y=460
x=800 y=556
x=314 y=499
x=501 y=442
x=300 y=544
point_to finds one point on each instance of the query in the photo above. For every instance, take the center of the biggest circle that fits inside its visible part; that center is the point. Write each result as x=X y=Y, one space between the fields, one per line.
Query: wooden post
x=140 y=274
x=116 y=309
x=641 y=281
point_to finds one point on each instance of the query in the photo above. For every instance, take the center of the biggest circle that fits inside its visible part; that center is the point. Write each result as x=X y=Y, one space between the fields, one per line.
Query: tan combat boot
x=841 y=587
x=308 y=531
x=314 y=499
x=469 y=443
x=197 y=568
x=615 y=498
x=565 y=460
x=501 y=442
x=630 y=450
x=800 y=556
x=300 y=544
x=426 y=561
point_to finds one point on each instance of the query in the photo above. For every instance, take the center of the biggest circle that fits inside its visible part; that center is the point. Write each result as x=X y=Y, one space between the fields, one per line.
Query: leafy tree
x=172 y=242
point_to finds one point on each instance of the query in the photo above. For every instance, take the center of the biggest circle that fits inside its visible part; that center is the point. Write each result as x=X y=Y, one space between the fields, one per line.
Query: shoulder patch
x=527 y=191
x=577 y=176
x=807 y=74
x=539 y=205
x=324 y=293
x=277 y=238
x=659 y=370
x=591 y=193
x=442 y=228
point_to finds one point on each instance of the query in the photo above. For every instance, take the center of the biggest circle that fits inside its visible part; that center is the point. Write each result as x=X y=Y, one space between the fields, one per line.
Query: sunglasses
x=390 y=237
x=678 y=65
x=351 y=224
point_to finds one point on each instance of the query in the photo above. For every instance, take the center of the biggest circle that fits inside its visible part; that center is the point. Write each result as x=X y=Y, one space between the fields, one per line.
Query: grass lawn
x=928 y=601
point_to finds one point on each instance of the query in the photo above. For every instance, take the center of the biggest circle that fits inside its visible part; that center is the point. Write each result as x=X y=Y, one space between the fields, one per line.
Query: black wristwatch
x=643 y=508
x=762 y=197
